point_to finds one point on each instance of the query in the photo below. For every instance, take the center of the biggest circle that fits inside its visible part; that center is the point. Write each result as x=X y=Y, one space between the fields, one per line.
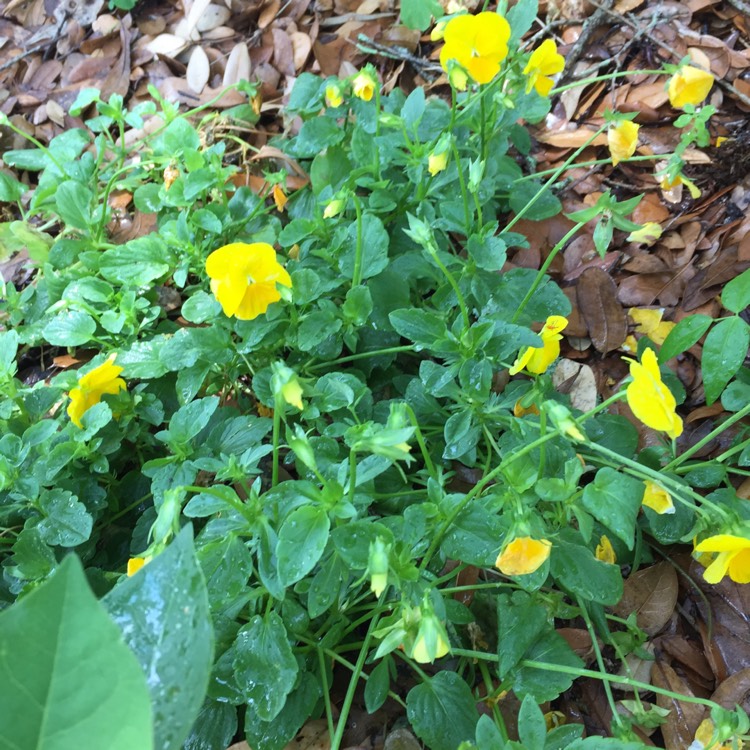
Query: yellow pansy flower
x=522 y=556
x=334 y=97
x=647 y=234
x=604 y=551
x=437 y=162
x=364 y=84
x=689 y=86
x=545 y=61
x=732 y=556
x=92 y=386
x=477 y=43
x=650 y=323
x=658 y=499
x=244 y=278
x=649 y=399
x=538 y=359
x=666 y=184
x=622 y=139
x=135 y=564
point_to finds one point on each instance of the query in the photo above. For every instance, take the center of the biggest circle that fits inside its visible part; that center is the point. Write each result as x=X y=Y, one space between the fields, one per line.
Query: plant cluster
x=299 y=419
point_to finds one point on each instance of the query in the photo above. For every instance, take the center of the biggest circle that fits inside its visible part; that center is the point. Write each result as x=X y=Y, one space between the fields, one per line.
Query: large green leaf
x=164 y=616
x=615 y=499
x=724 y=351
x=302 y=538
x=442 y=711
x=67 y=679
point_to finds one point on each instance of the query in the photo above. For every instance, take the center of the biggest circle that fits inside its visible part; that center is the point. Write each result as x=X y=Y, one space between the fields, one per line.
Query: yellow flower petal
x=292 y=394
x=733 y=556
x=477 y=43
x=135 y=564
x=522 y=556
x=650 y=323
x=537 y=359
x=689 y=86
x=544 y=62
x=437 y=162
x=92 y=386
x=604 y=551
x=648 y=233
x=658 y=499
x=279 y=197
x=364 y=85
x=622 y=140
x=649 y=399
x=334 y=97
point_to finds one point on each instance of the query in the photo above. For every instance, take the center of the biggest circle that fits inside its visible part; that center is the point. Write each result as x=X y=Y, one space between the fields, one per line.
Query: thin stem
x=591 y=163
x=421 y=441
x=326 y=690
x=275 y=454
x=606 y=77
x=361 y=355
x=462 y=185
x=541 y=274
x=357 y=273
x=454 y=285
x=352 y=474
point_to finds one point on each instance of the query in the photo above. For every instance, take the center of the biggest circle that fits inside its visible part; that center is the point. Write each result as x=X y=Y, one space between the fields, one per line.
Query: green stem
x=591 y=163
x=352 y=474
x=278 y=406
x=432 y=250
x=462 y=185
x=606 y=77
x=741 y=414
x=361 y=355
x=351 y=690
x=30 y=138
x=357 y=273
x=421 y=441
x=326 y=690
x=543 y=270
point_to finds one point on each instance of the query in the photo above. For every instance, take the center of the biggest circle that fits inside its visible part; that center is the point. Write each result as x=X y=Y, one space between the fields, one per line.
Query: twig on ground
x=590 y=25
x=371 y=47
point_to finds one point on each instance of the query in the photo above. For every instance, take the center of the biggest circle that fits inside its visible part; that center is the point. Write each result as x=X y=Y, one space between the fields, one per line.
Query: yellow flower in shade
x=647 y=234
x=437 y=162
x=622 y=139
x=291 y=392
x=477 y=43
x=732 y=556
x=334 y=97
x=364 y=84
x=650 y=323
x=689 y=86
x=92 y=386
x=522 y=556
x=538 y=359
x=432 y=641
x=649 y=399
x=545 y=61
x=279 y=197
x=604 y=551
x=244 y=278
x=377 y=566
x=704 y=739
x=666 y=184
x=658 y=499
x=135 y=564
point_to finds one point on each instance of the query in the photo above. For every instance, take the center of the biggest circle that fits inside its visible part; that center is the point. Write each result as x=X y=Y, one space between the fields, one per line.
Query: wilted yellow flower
x=279 y=197
x=244 y=278
x=171 y=173
x=437 y=162
x=658 y=499
x=477 y=43
x=92 y=386
x=135 y=564
x=522 y=556
x=545 y=61
x=291 y=392
x=334 y=97
x=604 y=550
x=622 y=140
x=650 y=323
x=689 y=86
x=519 y=410
x=334 y=208
x=538 y=359
x=647 y=234
x=732 y=555
x=650 y=400
x=364 y=84
x=666 y=184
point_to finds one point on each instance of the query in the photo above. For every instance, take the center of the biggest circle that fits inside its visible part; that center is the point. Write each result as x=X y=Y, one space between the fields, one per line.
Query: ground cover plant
x=314 y=438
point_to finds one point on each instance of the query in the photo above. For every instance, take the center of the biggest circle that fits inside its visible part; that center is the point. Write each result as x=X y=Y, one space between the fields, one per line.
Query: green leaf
x=316 y=135
x=264 y=665
x=420 y=326
x=66 y=521
x=442 y=711
x=73 y=201
x=543 y=684
x=724 y=351
x=164 y=616
x=325 y=586
x=614 y=499
x=532 y=729
x=574 y=567
x=302 y=538
x=189 y=420
x=417 y=14
x=521 y=619
x=67 y=680
x=686 y=333
x=735 y=396
x=525 y=192
x=521 y=17
x=277 y=734
x=736 y=294
x=227 y=565
x=488 y=253
x=377 y=686
x=69 y=329
x=214 y=728
x=374 y=250
x=474 y=536
x=10 y=188
x=137 y=262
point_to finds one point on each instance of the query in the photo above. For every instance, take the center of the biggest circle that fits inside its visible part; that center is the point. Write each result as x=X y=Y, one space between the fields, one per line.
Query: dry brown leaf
x=238 y=65
x=683 y=718
x=652 y=594
x=213 y=17
x=301 y=48
x=735 y=690
x=578 y=381
x=198 y=70
x=169 y=45
x=597 y=300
